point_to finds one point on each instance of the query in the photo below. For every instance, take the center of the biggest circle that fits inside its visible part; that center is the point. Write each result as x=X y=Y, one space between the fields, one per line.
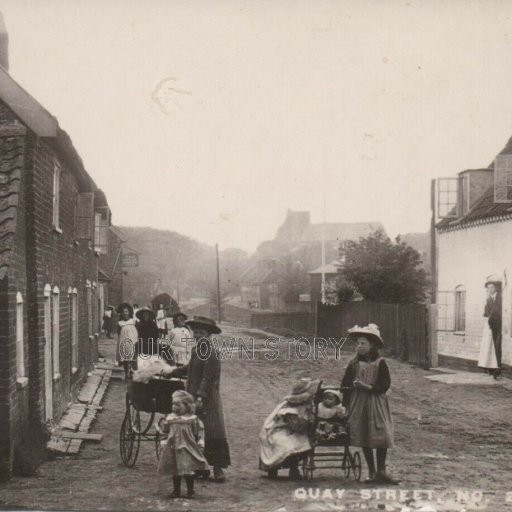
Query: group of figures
x=285 y=437
x=195 y=434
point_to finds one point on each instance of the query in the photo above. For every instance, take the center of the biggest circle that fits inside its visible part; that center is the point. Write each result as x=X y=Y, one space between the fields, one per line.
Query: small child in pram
x=331 y=416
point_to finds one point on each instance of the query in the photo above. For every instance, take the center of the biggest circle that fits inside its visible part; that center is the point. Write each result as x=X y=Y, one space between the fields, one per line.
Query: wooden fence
x=404 y=327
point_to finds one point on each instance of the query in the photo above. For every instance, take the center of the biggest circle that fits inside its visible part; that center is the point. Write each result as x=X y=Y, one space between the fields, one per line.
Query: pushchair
x=330 y=441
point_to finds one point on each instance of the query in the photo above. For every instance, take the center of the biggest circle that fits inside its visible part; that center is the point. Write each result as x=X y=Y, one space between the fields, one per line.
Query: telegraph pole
x=218 y=282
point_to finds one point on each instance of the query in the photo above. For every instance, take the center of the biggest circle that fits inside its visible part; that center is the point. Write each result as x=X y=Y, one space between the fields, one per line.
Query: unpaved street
x=447 y=437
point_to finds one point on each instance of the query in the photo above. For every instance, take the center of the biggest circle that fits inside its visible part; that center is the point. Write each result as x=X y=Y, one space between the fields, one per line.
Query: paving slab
x=456 y=377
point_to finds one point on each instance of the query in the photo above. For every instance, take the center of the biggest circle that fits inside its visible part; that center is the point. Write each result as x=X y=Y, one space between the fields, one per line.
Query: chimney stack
x=4 y=44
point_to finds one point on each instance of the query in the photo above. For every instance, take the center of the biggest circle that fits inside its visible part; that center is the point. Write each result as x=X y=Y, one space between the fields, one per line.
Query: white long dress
x=487 y=357
x=160 y=319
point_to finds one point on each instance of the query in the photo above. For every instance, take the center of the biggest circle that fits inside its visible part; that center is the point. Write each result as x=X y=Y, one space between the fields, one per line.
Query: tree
x=383 y=271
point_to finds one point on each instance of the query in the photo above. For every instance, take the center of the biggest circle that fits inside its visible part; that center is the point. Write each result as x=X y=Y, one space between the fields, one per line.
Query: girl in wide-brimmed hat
x=127 y=336
x=365 y=384
x=284 y=435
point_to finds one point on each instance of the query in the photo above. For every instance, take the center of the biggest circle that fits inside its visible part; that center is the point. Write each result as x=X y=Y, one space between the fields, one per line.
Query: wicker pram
x=155 y=395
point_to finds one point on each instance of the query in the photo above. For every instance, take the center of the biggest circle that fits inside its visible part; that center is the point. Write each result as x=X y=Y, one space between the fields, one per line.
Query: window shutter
x=85 y=216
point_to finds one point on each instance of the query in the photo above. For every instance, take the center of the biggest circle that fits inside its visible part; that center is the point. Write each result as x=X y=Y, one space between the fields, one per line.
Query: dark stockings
x=370 y=461
x=189 y=479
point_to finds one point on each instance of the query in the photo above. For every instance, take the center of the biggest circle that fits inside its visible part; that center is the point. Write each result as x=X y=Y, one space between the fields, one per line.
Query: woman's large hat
x=370 y=331
x=140 y=313
x=302 y=391
x=203 y=322
x=493 y=279
x=125 y=305
x=178 y=315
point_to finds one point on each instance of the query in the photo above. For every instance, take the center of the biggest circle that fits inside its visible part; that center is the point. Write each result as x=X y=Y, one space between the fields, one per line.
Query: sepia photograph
x=254 y=255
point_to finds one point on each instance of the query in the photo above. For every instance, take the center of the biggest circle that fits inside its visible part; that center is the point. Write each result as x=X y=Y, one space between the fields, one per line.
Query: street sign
x=130 y=260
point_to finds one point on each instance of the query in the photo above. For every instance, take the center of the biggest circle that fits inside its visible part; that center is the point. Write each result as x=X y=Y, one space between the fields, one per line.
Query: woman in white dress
x=491 y=335
x=182 y=339
x=160 y=320
x=127 y=336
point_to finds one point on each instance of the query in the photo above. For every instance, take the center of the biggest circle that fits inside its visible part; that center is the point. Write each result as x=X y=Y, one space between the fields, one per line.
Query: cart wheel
x=129 y=442
x=141 y=421
x=307 y=468
x=356 y=466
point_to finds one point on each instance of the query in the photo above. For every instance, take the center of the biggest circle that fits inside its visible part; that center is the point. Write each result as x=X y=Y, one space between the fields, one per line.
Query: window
x=84 y=216
x=73 y=302
x=446 y=311
x=503 y=179
x=56 y=195
x=20 y=349
x=88 y=294
x=460 y=309
x=101 y=228
x=56 y=331
x=447 y=193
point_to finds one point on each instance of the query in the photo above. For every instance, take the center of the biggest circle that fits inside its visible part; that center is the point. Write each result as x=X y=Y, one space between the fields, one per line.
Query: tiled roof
x=484 y=208
x=11 y=166
x=259 y=274
x=328 y=268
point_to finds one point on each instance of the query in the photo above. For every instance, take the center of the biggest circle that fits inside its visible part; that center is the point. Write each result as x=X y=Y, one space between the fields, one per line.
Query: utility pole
x=218 y=283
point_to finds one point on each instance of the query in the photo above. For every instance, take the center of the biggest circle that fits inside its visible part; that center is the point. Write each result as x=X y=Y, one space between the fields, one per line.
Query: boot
x=218 y=475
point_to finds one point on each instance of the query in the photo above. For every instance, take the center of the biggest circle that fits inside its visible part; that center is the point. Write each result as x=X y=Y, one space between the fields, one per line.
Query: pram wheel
x=129 y=442
x=356 y=466
x=307 y=468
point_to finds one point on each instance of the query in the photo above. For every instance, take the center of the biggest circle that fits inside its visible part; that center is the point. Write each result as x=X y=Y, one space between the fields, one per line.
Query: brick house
x=261 y=285
x=472 y=214
x=48 y=272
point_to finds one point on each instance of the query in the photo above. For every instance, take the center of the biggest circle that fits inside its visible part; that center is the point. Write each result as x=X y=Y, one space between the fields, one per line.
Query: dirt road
x=447 y=437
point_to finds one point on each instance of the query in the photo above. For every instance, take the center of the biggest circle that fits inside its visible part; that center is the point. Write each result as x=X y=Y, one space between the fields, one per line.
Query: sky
x=212 y=118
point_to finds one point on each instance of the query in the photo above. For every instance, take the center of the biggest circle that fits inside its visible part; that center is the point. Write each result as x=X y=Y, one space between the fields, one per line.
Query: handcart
x=330 y=441
x=143 y=402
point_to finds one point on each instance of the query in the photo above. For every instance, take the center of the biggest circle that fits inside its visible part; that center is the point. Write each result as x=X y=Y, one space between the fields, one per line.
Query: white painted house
x=473 y=240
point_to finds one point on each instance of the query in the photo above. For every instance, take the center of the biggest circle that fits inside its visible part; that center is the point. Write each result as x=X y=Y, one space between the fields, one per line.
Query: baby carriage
x=330 y=441
x=143 y=402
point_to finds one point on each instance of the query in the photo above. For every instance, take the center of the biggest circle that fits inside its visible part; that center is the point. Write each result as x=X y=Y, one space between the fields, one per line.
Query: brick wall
x=57 y=260
x=466 y=257
x=14 y=399
x=40 y=256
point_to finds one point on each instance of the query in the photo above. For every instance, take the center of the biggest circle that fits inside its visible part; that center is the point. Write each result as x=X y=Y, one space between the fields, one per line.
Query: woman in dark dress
x=203 y=383
x=148 y=344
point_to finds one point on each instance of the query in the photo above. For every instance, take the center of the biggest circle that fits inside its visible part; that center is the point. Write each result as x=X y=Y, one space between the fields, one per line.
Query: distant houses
x=285 y=274
x=59 y=267
x=473 y=238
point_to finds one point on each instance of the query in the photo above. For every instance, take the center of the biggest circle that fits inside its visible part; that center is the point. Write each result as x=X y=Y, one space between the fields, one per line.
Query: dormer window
x=503 y=179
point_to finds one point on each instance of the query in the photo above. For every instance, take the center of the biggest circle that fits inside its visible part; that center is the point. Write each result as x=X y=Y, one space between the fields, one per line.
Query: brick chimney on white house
x=4 y=44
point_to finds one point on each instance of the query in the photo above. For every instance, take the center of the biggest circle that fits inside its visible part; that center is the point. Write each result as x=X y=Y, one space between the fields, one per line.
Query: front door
x=48 y=363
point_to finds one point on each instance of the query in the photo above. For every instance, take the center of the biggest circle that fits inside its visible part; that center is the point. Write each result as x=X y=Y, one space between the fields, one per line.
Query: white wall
x=466 y=257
